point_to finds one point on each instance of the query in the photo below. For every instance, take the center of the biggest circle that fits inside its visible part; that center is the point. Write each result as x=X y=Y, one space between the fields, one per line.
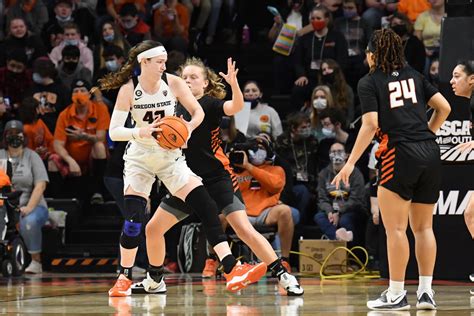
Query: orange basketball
x=174 y=133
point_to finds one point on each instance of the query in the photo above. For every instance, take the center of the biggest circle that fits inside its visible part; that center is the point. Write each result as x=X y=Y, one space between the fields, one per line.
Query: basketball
x=174 y=133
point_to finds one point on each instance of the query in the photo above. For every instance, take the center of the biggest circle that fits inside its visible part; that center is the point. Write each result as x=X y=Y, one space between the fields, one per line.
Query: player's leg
x=469 y=215
x=421 y=223
x=394 y=211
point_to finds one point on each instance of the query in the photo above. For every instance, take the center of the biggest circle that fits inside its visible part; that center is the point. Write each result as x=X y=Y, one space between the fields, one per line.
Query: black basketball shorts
x=412 y=170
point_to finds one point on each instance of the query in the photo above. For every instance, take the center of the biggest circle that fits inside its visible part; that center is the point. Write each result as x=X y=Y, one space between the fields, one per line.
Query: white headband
x=152 y=52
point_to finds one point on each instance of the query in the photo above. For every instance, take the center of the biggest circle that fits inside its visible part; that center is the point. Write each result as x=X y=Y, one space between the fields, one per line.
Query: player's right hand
x=150 y=130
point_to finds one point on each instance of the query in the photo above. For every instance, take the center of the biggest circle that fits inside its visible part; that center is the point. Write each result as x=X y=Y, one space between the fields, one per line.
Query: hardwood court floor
x=190 y=295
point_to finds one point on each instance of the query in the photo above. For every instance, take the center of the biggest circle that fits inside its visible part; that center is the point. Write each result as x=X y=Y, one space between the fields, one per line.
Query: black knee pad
x=135 y=207
x=206 y=210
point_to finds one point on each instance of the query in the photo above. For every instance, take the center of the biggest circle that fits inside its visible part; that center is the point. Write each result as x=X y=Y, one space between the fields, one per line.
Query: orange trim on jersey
x=383 y=140
x=388 y=166
x=233 y=177
x=386 y=179
x=387 y=160
x=216 y=147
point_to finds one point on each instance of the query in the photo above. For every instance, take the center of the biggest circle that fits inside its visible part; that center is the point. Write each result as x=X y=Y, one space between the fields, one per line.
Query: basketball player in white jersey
x=151 y=96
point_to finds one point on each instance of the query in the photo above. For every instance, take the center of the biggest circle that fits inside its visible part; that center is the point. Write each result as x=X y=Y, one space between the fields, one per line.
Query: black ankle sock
x=156 y=273
x=126 y=271
x=277 y=268
x=229 y=263
x=213 y=256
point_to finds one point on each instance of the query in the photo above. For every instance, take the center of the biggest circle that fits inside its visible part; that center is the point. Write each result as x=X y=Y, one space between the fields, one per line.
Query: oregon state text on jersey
x=147 y=107
x=400 y=98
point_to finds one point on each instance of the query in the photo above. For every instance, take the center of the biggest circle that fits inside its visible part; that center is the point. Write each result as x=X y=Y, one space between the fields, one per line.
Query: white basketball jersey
x=146 y=107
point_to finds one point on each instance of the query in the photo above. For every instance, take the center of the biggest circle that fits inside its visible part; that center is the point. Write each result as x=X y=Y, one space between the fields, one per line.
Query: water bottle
x=245 y=35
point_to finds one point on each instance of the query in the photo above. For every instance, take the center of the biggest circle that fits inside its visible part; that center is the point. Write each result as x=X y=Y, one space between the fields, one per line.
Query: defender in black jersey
x=206 y=158
x=394 y=100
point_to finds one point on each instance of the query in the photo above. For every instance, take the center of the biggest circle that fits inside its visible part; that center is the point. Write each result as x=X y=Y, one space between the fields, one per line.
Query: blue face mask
x=109 y=38
x=71 y=42
x=328 y=133
x=112 y=65
x=258 y=157
x=349 y=14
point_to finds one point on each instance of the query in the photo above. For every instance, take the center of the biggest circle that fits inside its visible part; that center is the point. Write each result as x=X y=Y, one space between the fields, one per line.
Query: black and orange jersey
x=401 y=100
x=204 y=154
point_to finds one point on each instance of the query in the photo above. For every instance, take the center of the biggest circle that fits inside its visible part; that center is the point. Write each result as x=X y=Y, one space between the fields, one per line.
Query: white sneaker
x=471 y=277
x=390 y=302
x=34 y=267
x=425 y=300
x=291 y=285
x=148 y=285
x=344 y=234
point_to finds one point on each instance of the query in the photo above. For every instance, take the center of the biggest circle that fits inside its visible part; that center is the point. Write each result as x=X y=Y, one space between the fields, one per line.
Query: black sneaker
x=426 y=301
x=389 y=302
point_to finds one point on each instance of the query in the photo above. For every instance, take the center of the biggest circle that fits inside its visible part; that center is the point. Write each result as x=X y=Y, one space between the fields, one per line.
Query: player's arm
x=441 y=111
x=117 y=129
x=237 y=103
x=187 y=99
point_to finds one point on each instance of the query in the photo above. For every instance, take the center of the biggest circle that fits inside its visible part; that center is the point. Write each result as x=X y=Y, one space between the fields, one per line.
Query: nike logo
x=137 y=98
x=396 y=299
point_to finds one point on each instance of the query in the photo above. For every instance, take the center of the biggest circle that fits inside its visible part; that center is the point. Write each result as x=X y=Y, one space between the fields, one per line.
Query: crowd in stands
x=52 y=52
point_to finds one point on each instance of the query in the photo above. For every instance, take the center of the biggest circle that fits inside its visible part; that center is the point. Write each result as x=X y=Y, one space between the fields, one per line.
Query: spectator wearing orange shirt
x=133 y=28
x=114 y=6
x=79 y=136
x=171 y=24
x=261 y=184
x=413 y=8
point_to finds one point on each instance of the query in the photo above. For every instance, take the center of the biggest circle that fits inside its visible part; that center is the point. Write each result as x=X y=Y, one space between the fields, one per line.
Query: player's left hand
x=343 y=175
x=231 y=76
x=464 y=147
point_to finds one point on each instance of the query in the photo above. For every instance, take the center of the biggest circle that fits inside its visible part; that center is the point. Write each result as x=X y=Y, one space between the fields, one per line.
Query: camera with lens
x=236 y=155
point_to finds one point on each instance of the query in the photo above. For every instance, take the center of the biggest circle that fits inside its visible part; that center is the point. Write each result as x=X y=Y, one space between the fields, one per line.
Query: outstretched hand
x=231 y=76
x=343 y=175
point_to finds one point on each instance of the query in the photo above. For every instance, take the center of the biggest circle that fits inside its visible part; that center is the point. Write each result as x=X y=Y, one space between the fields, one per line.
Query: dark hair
x=405 y=19
x=468 y=66
x=128 y=9
x=335 y=115
x=338 y=142
x=296 y=119
x=71 y=51
x=45 y=67
x=387 y=48
x=27 y=110
x=17 y=54
x=339 y=87
x=175 y=60
x=117 y=79
x=112 y=50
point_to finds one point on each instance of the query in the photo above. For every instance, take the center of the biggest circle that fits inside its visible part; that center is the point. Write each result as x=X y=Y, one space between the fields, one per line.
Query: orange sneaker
x=286 y=265
x=243 y=275
x=123 y=287
x=210 y=268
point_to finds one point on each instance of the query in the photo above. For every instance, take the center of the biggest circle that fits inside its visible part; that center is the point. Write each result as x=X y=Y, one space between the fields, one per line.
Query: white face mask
x=258 y=157
x=328 y=133
x=320 y=104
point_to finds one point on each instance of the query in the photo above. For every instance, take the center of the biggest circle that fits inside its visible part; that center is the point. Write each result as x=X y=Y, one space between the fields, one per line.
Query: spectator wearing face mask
x=310 y=50
x=29 y=177
x=114 y=59
x=72 y=36
x=338 y=208
x=133 y=28
x=64 y=12
x=51 y=94
x=356 y=31
x=15 y=79
x=70 y=67
x=110 y=36
x=79 y=138
x=332 y=130
x=299 y=148
x=343 y=96
x=434 y=73
x=20 y=38
x=414 y=48
x=263 y=118
x=261 y=184
x=321 y=99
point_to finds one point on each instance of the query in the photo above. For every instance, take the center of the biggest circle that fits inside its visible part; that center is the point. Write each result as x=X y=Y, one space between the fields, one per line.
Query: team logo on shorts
x=138 y=94
x=165 y=93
